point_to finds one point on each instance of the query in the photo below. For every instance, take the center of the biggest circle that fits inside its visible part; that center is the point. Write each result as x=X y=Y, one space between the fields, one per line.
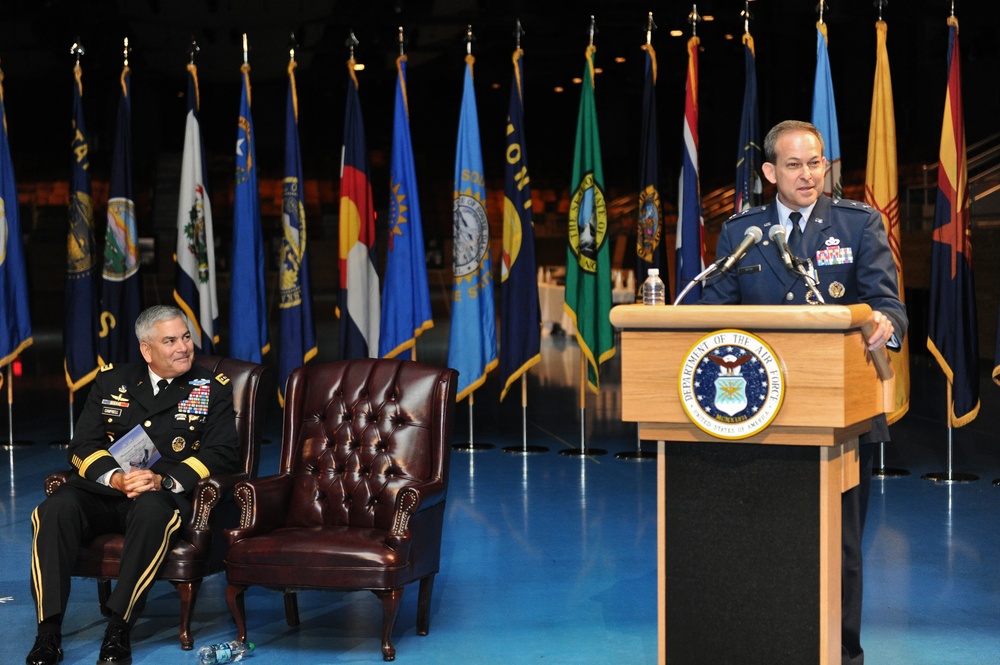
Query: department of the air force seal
x=731 y=384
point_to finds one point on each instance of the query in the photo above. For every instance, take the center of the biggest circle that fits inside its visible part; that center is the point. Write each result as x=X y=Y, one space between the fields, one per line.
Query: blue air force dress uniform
x=847 y=244
x=193 y=425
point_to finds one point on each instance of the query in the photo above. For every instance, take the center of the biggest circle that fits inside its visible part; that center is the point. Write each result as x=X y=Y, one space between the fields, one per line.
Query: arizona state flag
x=359 y=287
x=472 y=345
x=953 y=337
x=406 y=298
x=121 y=293
x=690 y=225
x=82 y=302
x=748 y=161
x=520 y=320
x=297 y=343
x=882 y=193
x=15 y=320
x=248 y=300
x=824 y=116
x=588 y=260
x=194 y=290
x=651 y=252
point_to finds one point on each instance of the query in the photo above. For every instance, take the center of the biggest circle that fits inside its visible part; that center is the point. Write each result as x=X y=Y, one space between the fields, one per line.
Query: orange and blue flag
x=297 y=340
x=748 y=161
x=359 y=288
x=520 y=320
x=651 y=251
x=406 y=298
x=824 y=116
x=690 y=224
x=121 y=292
x=953 y=336
x=82 y=301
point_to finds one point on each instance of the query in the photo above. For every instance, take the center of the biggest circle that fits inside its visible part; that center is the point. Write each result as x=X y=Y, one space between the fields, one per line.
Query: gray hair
x=145 y=325
x=785 y=127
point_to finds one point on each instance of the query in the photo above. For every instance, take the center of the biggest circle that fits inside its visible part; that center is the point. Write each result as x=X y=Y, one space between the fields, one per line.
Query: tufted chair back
x=359 y=498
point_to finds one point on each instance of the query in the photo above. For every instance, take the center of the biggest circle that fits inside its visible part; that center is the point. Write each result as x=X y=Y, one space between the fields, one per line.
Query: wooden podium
x=749 y=526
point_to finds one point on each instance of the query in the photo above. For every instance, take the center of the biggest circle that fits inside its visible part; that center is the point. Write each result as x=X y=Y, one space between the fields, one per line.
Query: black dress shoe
x=115 y=648
x=46 y=651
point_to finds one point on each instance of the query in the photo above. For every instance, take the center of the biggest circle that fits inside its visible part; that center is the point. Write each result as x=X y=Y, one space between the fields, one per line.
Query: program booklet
x=135 y=450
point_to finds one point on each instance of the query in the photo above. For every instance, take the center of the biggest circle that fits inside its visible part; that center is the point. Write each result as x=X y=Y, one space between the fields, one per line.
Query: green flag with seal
x=588 y=261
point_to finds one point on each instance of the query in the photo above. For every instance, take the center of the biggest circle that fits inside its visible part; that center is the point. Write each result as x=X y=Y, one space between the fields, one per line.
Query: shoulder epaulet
x=852 y=205
x=108 y=367
x=222 y=378
x=748 y=211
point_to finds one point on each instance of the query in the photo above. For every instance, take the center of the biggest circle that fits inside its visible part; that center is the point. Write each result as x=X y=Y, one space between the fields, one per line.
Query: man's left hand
x=882 y=331
x=136 y=482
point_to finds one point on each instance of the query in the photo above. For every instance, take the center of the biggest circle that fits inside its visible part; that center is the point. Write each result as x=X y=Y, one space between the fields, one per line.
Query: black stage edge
x=524 y=450
x=742 y=553
x=583 y=452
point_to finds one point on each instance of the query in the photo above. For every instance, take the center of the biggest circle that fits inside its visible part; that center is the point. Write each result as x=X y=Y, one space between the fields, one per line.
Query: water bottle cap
x=251 y=646
x=653 y=272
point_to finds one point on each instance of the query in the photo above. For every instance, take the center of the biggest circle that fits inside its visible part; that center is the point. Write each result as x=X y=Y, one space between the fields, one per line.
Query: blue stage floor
x=548 y=558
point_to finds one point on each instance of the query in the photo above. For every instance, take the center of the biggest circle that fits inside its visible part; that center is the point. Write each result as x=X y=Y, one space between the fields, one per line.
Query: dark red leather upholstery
x=359 y=499
x=200 y=549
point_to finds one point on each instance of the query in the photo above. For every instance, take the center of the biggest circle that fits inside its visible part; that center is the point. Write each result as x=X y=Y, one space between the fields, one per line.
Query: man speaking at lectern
x=842 y=246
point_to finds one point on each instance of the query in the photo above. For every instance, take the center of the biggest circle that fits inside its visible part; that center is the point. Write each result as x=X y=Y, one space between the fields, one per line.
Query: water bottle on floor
x=227 y=652
x=654 y=291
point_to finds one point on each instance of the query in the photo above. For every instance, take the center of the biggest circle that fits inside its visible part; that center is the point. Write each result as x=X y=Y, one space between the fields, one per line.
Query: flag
x=406 y=299
x=195 y=290
x=82 y=302
x=15 y=320
x=298 y=334
x=520 y=320
x=748 y=160
x=824 y=116
x=882 y=193
x=359 y=287
x=472 y=346
x=690 y=225
x=952 y=333
x=588 y=260
x=651 y=252
x=248 y=300
x=121 y=288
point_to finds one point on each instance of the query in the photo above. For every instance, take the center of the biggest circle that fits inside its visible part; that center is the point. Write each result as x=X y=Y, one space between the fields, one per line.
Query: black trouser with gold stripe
x=72 y=517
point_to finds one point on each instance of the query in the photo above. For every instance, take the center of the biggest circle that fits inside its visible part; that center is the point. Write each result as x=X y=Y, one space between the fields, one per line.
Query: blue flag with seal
x=472 y=347
x=82 y=302
x=121 y=286
x=15 y=318
x=406 y=299
x=748 y=161
x=297 y=341
x=650 y=248
x=520 y=320
x=824 y=116
x=248 y=300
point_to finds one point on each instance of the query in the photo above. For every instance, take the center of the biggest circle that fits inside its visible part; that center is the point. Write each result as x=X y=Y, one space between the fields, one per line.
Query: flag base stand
x=637 y=455
x=886 y=472
x=472 y=447
x=525 y=450
x=950 y=477
x=18 y=443
x=583 y=452
x=59 y=444
x=997 y=481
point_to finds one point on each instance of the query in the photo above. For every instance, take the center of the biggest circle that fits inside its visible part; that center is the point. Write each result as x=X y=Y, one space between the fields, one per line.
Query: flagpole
x=472 y=446
x=583 y=450
x=950 y=476
x=11 y=443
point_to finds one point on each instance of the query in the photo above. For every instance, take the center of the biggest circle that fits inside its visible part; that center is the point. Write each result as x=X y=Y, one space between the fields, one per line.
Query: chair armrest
x=407 y=503
x=56 y=479
x=209 y=492
x=263 y=505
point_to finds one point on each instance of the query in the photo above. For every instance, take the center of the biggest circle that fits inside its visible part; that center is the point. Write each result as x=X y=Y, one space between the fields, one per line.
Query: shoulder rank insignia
x=107 y=367
x=222 y=378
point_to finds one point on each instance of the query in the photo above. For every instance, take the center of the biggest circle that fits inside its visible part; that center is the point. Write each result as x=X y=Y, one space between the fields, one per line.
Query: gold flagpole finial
x=77 y=50
x=350 y=43
x=292 y=45
x=125 y=51
x=402 y=42
x=746 y=17
x=518 y=33
x=880 y=4
x=246 y=50
x=694 y=18
x=469 y=38
x=650 y=26
x=592 y=31
x=821 y=7
x=193 y=50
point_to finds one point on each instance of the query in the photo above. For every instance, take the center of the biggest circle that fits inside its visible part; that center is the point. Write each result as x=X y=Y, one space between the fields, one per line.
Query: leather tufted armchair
x=199 y=550
x=359 y=499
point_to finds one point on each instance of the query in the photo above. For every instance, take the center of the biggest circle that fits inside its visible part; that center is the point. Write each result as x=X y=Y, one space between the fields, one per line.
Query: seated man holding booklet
x=174 y=424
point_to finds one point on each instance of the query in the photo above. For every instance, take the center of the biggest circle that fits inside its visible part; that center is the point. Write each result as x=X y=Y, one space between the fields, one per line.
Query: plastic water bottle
x=227 y=652
x=654 y=291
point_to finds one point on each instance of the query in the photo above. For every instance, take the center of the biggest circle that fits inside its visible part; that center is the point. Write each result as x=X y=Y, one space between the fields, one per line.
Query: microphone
x=751 y=237
x=777 y=236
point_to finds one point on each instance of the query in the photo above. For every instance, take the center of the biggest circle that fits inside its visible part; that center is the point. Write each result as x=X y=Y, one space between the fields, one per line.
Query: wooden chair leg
x=234 y=598
x=390 y=608
x=424 y=605
x=291 y=609
x=188 y=592
x=103 y=593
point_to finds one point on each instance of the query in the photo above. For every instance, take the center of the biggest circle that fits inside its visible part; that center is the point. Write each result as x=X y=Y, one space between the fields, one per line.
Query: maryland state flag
x=824 y=116
x=520 y=322
x=121 y=293
x=298 y=333
x=359 y=287
x=882 y=193
x=588 y=260
x=690 y=225
x=406 y=298
x=650 y=249
x=952 y=333
x=82 y=302
x=194 y=290
x=248 y=300
x=15 y=321
x=472 y=347
x=748 y=161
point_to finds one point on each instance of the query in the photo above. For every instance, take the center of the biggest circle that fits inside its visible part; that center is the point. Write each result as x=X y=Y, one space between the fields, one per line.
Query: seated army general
x=187 y=412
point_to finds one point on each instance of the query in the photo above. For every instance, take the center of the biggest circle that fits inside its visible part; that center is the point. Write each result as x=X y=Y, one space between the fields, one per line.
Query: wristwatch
x=167 y=483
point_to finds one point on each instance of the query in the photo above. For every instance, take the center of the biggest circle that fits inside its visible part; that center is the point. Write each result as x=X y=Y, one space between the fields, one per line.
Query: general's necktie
x=161 y=385
x=796 y=239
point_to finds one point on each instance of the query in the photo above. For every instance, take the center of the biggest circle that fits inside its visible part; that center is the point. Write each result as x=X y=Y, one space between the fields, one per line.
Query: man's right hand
x=134 y=483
